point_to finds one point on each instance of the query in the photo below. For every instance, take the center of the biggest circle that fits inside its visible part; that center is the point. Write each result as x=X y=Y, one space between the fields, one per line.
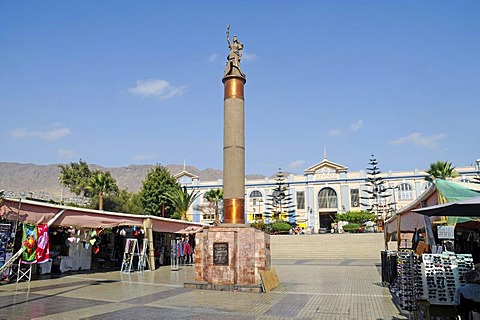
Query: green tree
x=215 y=196
x=123 y=201
x=280 y=227
x=441 y=170
x=351 y=227
x=101 y=183
x=280 y=201
x=75 y=177
x=182 y=200
x=376 y=192
x=133 y=204
x=157 y=183
x=358 y=217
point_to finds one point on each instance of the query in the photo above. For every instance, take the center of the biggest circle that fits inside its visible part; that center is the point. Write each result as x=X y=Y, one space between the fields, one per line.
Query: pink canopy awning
x=97 y=219
x=27 y=211
x=173 y=226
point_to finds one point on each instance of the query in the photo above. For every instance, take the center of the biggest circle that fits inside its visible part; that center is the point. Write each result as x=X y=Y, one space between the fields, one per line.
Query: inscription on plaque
x=220 y=253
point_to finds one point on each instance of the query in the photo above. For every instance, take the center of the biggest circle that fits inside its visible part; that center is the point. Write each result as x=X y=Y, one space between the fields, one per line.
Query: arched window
x=327 y=198
x=278 y=197
x=255 y=197
x=426 y=186
x=255 y=194
x=405 y=191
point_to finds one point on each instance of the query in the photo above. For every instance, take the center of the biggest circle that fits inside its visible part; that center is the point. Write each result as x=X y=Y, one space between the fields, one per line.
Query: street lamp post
x=310 y=218
x=393 y=188
x=259 y=204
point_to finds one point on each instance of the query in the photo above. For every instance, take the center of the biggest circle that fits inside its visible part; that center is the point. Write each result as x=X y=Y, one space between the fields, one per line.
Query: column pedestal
x=231 y=257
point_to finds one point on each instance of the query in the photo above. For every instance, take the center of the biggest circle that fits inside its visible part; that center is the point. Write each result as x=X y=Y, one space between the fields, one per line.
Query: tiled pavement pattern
x=309 y=289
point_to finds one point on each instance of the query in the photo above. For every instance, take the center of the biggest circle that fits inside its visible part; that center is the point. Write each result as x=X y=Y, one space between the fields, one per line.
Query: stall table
x=436 y=310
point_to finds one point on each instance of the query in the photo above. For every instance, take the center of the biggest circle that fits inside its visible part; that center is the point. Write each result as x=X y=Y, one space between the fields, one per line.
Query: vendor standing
x=471 y=289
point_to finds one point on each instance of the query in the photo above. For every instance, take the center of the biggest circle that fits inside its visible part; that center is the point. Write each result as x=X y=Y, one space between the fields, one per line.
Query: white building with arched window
x=325 y=189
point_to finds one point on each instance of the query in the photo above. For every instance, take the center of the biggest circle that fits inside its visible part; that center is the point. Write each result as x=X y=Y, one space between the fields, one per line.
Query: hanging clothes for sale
x=191 y=240
x=174 y=248
x=186 y=248
x=188 y=252
x=180 y=248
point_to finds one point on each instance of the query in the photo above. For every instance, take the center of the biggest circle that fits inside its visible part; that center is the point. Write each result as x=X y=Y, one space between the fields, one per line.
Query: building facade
x=325 y=189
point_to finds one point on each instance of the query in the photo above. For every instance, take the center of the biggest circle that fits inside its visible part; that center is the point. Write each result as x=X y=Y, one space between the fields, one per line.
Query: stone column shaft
x=234 y=151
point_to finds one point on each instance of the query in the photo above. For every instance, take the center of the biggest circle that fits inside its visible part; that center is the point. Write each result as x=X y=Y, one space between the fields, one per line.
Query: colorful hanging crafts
x=29 y=243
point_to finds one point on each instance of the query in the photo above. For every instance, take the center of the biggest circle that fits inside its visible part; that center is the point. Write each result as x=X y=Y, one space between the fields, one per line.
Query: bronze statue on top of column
x=234 y=57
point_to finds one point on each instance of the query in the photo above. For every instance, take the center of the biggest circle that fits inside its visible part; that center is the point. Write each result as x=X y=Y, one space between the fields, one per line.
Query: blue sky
x=139 y=82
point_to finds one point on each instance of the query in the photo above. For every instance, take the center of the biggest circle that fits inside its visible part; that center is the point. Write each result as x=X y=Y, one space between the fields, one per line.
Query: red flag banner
x=43 y=246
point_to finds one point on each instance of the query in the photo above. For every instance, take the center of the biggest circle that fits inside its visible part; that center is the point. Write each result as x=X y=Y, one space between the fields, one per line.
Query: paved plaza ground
x=309 y=289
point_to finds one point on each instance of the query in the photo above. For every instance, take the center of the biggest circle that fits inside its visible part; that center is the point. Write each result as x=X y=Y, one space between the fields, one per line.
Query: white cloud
x=213 y=57
x=296 y=164
x=158 y=88
x=249 y=56
x=353 y=128
x=356 y=126
x=52 y=134
x=64 y=153
x=335 y=133
x=429 y=142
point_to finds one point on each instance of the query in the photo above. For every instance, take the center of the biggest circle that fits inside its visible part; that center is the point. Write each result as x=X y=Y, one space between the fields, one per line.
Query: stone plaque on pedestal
x=220 y=253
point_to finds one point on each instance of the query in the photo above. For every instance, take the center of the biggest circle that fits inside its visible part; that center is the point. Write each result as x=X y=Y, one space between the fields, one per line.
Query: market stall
x=436 y=245
x=403 y=225
x=84 y=238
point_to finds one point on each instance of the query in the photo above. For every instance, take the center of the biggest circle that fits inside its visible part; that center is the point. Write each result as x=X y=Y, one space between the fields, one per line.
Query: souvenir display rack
x=409 y=280
x=4 y=238
x=389 y=266
x=133 y=250
x=442 y=274
x=175 y=255
x=181 y=252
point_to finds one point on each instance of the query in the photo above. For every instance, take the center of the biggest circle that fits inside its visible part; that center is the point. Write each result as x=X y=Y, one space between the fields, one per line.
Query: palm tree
x=215 y=196
x=182 y=200
x=101 y=183
x=441 y=170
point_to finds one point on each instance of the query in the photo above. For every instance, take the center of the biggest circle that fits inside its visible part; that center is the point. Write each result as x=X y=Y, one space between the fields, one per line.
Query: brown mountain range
x=41 y=181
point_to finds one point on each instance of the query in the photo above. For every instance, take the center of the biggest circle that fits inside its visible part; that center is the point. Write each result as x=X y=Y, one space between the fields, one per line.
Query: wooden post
x=399 y=230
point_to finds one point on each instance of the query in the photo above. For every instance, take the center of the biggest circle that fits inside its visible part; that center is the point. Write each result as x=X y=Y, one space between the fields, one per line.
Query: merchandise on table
x=442 y=274
x=409 y=280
